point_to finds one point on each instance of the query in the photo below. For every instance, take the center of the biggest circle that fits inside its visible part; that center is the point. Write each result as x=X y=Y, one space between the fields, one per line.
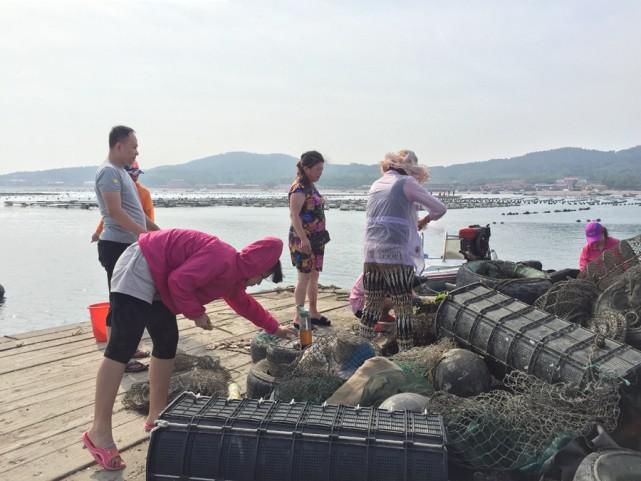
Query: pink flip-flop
x=105 y=457
x=148 y=426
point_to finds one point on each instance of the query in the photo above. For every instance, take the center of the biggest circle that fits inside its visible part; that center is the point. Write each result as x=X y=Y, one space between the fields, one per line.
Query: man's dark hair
x=118 y=134
x=277 y=273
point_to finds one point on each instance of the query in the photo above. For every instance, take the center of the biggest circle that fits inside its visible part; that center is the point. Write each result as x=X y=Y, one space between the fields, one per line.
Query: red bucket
x=98 y=313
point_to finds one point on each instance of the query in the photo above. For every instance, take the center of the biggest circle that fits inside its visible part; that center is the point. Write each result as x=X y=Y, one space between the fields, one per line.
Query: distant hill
x=620 y=169
x=616 y=169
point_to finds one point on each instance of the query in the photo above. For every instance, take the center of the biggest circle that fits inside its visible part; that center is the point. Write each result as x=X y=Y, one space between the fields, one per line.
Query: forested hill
x=616 y=169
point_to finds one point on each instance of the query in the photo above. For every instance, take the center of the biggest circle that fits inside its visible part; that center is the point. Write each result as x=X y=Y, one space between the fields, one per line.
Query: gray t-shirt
x=132 y=275
x=111 y=178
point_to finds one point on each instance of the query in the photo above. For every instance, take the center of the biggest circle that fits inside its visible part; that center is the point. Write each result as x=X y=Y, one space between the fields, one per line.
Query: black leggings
x=108 y=254
x=130 y=316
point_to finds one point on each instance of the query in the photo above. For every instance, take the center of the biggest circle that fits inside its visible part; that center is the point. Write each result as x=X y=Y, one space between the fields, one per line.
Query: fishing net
x=423 y=327
x=337 y=354
x=605 y=270
x=418 y=362
x=522 y=426
x=313 y=389
x=572 y=300
x=608 y=323
x=623 y=299
x=185 y=362
x=199 y=374
x=324 y=366
x=264 y=340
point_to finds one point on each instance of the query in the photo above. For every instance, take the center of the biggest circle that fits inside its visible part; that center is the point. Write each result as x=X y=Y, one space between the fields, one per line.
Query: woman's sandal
x=136 y=366
x=297 y=326
x=321 y=321
x=148 y=426
x=140 y=354
x=105 y=457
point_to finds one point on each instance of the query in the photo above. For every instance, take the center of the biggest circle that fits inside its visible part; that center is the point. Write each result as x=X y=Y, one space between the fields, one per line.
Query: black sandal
x=136 y=366
x=321 y=321
x=297 y=326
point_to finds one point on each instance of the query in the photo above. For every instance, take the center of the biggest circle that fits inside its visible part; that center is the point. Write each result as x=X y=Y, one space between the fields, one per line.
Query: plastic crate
x=518 y=336
x=207 y=439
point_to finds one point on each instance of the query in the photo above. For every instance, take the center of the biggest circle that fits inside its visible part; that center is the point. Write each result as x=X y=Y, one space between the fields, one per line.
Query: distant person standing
x=597 y=241
x=119 y=202
x=308 y=234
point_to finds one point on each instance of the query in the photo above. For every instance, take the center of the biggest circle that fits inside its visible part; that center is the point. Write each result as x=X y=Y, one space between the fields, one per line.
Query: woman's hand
x=305 y=246
x=286 y=333
x=423 y=222
x=204 y=322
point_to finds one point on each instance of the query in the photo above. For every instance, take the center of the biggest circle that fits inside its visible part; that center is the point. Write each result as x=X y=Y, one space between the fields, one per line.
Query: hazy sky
x=454 y=80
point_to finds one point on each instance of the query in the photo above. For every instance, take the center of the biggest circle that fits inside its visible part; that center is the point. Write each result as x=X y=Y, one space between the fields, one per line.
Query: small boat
x=471 y=243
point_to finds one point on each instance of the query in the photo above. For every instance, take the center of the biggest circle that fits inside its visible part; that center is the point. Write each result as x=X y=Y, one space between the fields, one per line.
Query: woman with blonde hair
x=393 y=251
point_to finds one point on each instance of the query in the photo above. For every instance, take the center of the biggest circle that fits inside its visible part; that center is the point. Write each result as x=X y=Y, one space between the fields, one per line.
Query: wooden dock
x=47 y=381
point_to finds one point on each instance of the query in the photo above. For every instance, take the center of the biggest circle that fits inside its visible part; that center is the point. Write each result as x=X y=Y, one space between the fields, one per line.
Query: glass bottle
x=305 y=326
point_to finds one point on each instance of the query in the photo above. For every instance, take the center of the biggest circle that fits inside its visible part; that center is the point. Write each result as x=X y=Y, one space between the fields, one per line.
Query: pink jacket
x=591 y=251
x=191 y=269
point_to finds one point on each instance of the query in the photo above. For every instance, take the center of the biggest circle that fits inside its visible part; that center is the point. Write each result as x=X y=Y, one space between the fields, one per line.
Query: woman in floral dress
x=308 y=234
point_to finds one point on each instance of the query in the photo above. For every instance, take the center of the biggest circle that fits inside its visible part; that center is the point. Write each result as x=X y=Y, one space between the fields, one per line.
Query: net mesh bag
x=262 y=339
x=572 y=300
x=520 y=427
x=199 y=374
x=314 y=389
x=423 y=326
x=609 y=323
x=324 y=366
x=338 y=354
x=418 y=362
x=605 y=270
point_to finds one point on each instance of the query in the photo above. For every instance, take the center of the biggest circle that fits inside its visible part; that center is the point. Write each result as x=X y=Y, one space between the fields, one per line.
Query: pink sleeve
x=357 y=296
x=250 y=309
x=414 y=192
x=184 y=281
x=583 y=258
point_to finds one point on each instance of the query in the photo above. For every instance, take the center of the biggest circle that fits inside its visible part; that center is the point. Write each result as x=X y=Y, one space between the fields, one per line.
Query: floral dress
x=312 y=216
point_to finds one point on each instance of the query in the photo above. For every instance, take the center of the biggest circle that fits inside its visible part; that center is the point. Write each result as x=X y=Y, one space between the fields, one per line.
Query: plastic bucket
x=98 y=313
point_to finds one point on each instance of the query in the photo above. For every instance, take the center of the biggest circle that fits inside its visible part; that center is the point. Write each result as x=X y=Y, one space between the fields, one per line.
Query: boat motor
x=475 y=242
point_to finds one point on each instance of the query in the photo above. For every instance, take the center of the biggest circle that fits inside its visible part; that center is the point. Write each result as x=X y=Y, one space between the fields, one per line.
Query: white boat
x=442 y=270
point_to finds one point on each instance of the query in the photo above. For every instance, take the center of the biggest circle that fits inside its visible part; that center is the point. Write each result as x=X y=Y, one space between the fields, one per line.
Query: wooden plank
x=81 y=396
x=56 y=370
x=16 y=413
x=30 y=370
x=47 y=446
x=68 y=434
x=71 y=350
x=136 y=457
x=84 y=332
x=56 y=330
x=23 y=438
x=62 y=455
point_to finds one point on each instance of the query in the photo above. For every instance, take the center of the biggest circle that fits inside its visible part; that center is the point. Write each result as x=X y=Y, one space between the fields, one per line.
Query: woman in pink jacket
x=597 y=241
x=164 y=274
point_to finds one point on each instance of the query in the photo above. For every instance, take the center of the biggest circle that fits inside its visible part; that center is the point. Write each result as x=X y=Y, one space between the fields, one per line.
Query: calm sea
x=51 y=273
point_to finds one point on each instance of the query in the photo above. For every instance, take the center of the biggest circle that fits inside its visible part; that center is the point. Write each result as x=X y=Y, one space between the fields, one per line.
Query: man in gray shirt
x=124 y=218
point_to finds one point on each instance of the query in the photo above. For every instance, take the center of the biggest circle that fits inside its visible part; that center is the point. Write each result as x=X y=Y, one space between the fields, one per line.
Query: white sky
x=453 y=80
